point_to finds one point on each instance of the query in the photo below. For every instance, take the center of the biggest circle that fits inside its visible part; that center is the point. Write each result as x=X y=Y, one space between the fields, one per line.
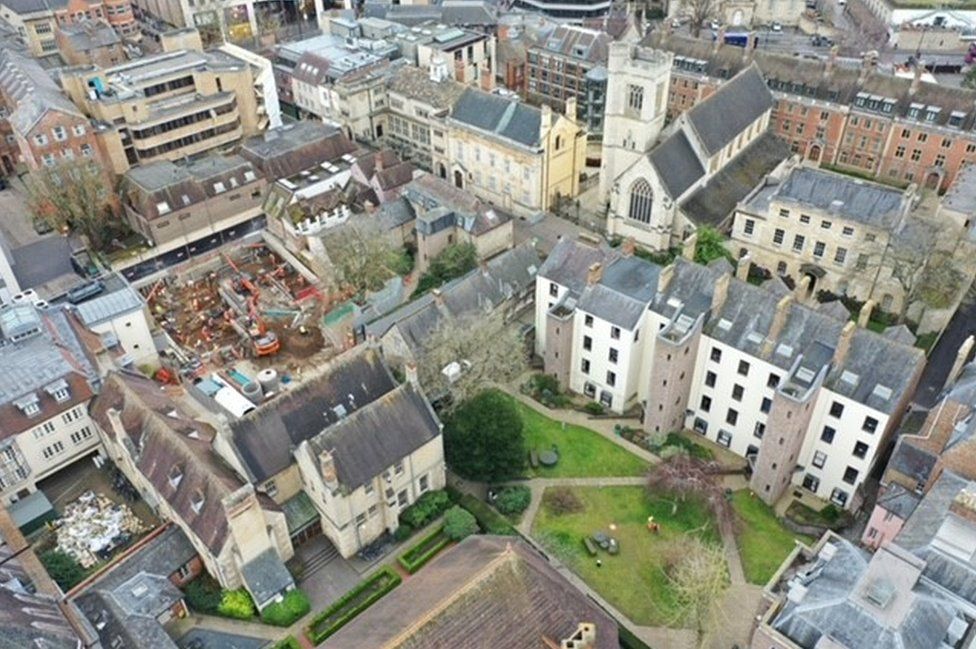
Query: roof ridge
x=505 y=555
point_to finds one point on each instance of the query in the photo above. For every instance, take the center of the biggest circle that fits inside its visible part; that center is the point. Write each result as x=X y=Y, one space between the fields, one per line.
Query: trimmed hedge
x=428 y=507
x=284 y=613
x=352 y=604
x=414 y=559
x=513 y=500
x=291 y=642
x=490 y=521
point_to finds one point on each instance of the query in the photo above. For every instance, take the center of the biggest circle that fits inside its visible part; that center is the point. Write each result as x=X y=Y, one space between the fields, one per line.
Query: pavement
x=943 y=355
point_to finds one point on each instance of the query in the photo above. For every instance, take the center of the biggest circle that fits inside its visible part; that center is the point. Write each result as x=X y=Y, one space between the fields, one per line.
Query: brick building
x=900 y=130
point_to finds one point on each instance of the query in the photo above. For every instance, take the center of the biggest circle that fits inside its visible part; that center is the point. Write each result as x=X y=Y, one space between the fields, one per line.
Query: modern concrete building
x=168 y=106
x=810 y=399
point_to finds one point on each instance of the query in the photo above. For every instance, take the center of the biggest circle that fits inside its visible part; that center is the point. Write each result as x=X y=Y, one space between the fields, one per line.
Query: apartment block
x=521 y=159
x=168 y=106
x=50 y=375
x=570 y=62
x=810 y=399
x=172 y=204
x=168 y=456
x=712 y=157
x=467 y=55
x=40 y=126
x=900 y=130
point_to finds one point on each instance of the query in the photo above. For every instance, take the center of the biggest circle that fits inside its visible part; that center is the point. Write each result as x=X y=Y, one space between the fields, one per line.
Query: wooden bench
x=590 y=546
x=534 y=459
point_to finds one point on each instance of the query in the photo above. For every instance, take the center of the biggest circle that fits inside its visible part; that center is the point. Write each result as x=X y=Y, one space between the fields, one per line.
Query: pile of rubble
x=93 y=526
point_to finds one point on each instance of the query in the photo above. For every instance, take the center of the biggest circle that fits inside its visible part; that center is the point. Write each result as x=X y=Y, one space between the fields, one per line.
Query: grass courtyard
x=763 y=541
x=582 y=452
x=634 y=580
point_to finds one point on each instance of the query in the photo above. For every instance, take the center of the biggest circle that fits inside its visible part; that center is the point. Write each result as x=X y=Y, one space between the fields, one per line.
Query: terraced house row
x=896 y=129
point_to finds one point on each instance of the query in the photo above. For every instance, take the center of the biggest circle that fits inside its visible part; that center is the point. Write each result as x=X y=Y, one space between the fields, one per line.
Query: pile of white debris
x=93 y=526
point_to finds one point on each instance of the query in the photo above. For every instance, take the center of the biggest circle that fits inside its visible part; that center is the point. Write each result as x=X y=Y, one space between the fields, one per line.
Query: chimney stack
x=742 y=267
x=844 y=343
x=627 y=247
x=594 y=273
x=545 y=123
x=328 y=469
x=719 y=39
x=410 y=373
x=571 y=108
x=831 y=61
x=779 y=321
x=916 y=77
x=664 y=277
x=864 y=316
x=688 y=246
x=438 y=296
x=720 y=292
x=961 y=357
x=869 y=61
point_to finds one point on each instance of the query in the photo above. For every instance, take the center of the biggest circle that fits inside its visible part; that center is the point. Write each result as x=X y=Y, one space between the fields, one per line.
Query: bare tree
x=362 y=256
x=74 y=194
x=923 y=260
x=699 y=580
x=683 y=476
x=487 y=351
x=699 y=12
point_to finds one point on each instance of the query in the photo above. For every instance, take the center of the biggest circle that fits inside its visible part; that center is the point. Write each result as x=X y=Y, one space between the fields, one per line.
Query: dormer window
x=196 y=502
x=914 y=111
x=175 y=476
x=955 y=118
x=59 y=390
x=932 y=113
x=29 y=405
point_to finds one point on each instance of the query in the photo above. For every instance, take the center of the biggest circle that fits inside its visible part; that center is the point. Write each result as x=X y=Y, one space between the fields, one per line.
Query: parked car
x=776 y=27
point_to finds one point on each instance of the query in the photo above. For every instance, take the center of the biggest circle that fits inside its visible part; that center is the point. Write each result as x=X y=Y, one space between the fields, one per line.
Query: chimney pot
x=594 y=273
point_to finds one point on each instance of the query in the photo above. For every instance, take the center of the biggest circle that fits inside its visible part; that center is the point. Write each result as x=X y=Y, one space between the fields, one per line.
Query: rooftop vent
x=880 y=593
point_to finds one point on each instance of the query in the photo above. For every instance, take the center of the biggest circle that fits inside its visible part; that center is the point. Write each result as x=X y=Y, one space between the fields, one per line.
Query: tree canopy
x=483 y=438
x=74 y=194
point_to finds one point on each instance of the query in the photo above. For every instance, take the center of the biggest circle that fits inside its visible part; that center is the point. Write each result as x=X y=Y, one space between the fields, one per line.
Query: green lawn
x=582 y=452
x=762 y=539
x=633 y=581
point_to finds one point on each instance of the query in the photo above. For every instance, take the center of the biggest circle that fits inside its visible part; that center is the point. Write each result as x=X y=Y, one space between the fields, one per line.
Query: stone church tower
x=637 y=97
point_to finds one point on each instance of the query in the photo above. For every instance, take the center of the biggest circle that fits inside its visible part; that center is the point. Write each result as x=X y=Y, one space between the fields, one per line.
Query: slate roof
x=373 y=438
x=287 y=150
x=578 y=43
x=730 y=110
x=850 y=198
x=485 y=592
x=439 y=204
x=266 y=437
x=415 y=83
x=90 y=35
x=34 y=6
x=677 y=164
x=42 y=261
x=911 y=460
x=508 y=119
x=31 y=91
x=811 y=79
x=834 y=605
x=393 y=214
x=899 y=501
x=478 y=291
x=625 y=288
x=569 y=261
x=117 y=301
x=164 y=438
x=266 y=576
x=961 y=196
x=56 y=353
x=713 y=202
x=125 y=601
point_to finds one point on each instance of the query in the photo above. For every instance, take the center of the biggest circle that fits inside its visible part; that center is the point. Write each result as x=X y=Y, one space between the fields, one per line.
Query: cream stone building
x=712 y=156
x=168 y=106
x=636 y=103
x=167 y=455
x=746 y=13
x=349 y=444
x=517 y=157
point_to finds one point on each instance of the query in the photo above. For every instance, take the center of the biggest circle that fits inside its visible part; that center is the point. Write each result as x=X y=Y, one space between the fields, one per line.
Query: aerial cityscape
x=501 y=324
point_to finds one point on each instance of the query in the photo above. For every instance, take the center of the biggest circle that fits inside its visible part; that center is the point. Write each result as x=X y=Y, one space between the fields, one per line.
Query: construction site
x=247 y=305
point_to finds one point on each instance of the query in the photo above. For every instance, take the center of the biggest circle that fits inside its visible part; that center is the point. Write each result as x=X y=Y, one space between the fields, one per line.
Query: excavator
x=264 y=342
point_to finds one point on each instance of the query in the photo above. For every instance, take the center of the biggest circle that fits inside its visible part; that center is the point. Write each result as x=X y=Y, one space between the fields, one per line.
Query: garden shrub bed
x=352 y=604
x=490 y=521
x=427 y=508
x=291 y=642
x=830 y=517
x=416 y=557
x=284 y=613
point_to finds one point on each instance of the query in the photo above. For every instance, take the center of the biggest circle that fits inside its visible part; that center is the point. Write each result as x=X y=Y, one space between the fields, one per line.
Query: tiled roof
x=677 y=164
x=485 y=592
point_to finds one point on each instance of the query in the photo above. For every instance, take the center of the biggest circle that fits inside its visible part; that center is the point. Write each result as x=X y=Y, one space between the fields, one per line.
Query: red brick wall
x=195 y=567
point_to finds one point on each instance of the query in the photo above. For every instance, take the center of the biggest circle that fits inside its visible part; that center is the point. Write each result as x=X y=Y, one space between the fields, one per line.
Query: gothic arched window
x=641 y=200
